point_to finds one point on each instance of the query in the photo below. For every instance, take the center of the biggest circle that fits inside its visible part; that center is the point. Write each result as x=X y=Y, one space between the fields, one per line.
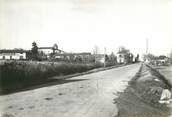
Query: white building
x=120 y=57
x=13 y=54
x=47 y=51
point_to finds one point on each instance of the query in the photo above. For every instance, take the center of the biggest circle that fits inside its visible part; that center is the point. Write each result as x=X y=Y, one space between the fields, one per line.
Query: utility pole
x=104 y=56
x=147 y=45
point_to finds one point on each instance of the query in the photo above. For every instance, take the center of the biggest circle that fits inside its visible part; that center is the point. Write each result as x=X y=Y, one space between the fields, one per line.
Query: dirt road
x=83 y=96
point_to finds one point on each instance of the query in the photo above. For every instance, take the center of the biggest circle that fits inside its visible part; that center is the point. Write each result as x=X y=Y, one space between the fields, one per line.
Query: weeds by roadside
x=20 y=74
x=142 y=96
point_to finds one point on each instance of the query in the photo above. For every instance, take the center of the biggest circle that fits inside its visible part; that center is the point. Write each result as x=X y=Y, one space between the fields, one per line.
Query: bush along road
x=16 y=75
x=148 y=95
x=22 y=75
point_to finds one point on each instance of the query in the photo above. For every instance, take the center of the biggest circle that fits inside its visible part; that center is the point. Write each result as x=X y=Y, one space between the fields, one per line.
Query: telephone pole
x=104 y=56
x=147 y=45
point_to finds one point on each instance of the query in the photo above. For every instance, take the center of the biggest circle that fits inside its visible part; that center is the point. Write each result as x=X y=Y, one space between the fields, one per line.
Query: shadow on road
x=47 y=83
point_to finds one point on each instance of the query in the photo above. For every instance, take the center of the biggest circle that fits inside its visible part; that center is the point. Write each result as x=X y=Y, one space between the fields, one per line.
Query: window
x=10 y=57
x=21 y=57
x=3 y=57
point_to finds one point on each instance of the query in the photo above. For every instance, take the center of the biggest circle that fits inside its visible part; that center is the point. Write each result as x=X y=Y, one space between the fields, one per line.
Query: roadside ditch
x=147 y=95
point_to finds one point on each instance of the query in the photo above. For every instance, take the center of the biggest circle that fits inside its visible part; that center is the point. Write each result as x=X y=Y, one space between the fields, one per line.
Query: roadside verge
x=142 y=96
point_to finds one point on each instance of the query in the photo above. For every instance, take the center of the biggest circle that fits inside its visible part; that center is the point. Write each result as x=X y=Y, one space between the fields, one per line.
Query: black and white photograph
x=85 y=58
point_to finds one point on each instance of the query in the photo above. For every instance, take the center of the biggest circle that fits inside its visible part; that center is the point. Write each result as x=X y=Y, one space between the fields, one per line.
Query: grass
x=143 y=94
x=20 y=74
x=146 y=87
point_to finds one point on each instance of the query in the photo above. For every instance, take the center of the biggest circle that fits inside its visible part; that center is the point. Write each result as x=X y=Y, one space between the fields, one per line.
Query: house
x=161 y=60
x=13 y=54
x=122 y=55
x=156 y=60
x=48 y=51
x=125 y=56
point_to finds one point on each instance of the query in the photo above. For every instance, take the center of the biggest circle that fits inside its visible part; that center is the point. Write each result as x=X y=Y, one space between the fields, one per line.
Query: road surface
x=89 y=95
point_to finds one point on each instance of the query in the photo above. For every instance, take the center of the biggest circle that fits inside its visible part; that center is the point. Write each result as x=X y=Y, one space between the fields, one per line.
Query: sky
x=80 y=25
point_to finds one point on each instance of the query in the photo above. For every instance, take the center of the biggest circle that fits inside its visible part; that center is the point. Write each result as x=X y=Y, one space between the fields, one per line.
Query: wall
x=13 y=55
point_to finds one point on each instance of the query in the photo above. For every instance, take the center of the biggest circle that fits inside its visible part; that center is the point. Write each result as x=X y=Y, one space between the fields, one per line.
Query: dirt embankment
x=141 y=98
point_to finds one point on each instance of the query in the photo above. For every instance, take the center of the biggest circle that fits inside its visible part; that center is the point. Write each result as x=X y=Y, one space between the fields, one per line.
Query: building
x=13 y=54
x=161 y=60
x=122 y=55
x=48 y=51
x=156 y=60
x=99 y=58
x=78 y=57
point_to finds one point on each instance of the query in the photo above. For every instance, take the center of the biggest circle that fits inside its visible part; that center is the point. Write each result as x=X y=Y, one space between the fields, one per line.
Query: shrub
x=19 y=74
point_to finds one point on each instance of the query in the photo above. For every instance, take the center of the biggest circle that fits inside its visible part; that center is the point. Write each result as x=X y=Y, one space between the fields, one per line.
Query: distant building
x=156 y=60
x=122 y=55
x=78 y=57
x=100 y=58
x=161 y=60
x=48 y=51
x=13 y=54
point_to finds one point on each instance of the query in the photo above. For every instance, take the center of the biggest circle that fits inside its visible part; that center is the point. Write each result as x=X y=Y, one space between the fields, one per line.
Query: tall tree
x=96 y=50
x=149 y=57
x=34 y=51
x=34 y=48
x=137 y=58
x=113 y=58
x=95 y=53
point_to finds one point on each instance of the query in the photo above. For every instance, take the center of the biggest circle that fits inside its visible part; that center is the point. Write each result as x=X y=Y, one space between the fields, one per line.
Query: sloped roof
x=70 y=54
x=45 y=48
x=123 y=52
x=13 y=51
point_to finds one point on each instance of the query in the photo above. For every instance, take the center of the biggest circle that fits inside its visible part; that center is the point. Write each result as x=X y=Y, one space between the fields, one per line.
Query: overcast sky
x=79 y=25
